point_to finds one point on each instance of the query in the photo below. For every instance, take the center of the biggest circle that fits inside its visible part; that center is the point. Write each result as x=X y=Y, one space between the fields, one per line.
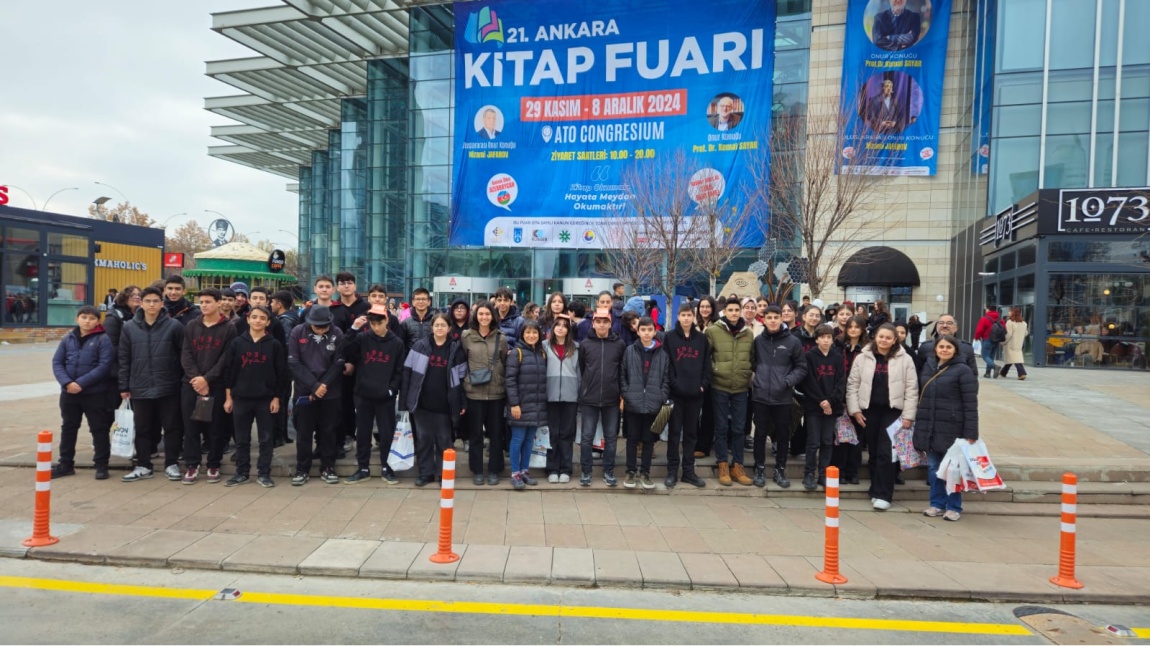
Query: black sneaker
x=899 y=480
x=389 y=475
x=810 y=483
x=358 y=476
x=237 y=479
x=328 y=475
x=478 y=480
x=299 y=479
x=781 y=478
x=101 y=472
x=694 y=480
x=62 y=470
x=670 y=481
x=492 y=479
x=423 y=481
x=609 y=479
x=585 y=480
x=851 y=481
x=266 y=482
x=629 y=481
x=760 y=479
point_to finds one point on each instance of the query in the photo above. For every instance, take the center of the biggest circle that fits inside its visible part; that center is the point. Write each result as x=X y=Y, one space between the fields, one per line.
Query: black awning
x=878 y=267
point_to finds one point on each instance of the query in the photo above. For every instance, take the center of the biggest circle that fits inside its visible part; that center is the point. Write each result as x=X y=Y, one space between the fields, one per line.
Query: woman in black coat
x=947 y=411
x=526 y=376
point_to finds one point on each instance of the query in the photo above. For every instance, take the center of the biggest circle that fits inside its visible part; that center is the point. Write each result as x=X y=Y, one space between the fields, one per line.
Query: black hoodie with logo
x=826 y=380
x=690 y=362
x=378 y=362
x=257 y=369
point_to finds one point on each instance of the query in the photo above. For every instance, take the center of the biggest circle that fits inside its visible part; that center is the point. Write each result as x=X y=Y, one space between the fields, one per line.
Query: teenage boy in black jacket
x=315 y=358
x=600 y=356
x=824 y=397
x=204 y=355
x=646 y=379
x=779 y=367
x=256 y=374
x=690 y=355
x=376 y=356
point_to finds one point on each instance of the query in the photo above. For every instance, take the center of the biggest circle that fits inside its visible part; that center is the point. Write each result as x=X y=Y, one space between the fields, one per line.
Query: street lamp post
x=30 y=198
x=73 y=188
x=164 y=225
x=117 y=190
x=100 y=202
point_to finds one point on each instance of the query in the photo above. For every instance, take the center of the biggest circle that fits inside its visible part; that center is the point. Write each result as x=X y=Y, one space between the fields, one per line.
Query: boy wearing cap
x=376 y=356
x=242 y=307
x=600 y=359
x=315 y=357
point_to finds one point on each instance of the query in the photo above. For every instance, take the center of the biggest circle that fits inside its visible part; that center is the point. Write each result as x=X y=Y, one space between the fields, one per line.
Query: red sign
x=173 y=260
x=3 y=195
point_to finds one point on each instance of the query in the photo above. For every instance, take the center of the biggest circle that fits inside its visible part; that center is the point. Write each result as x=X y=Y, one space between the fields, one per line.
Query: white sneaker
x=881 y=505
x=173 y=472
x=553 y=478
x=139 y=473
x=564 y=478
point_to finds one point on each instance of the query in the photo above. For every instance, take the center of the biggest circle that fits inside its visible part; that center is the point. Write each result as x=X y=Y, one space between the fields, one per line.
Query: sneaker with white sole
x=266 y=482
x=389 y=475
x=932 y=512
x=172 y=471
x=139 y=473
x=881 y=505
x=213 y=475
x=237 y=479
x=191 y=475
x=951 y=515
x=564 y=478
x=553 y=478
x=300 y=479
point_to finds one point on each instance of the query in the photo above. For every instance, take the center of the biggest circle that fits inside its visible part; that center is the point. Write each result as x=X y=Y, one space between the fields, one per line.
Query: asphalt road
x=67 y=603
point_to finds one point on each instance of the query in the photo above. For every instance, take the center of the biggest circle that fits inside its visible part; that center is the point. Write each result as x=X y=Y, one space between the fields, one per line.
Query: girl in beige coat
x=882 y=389
x=1016 y=331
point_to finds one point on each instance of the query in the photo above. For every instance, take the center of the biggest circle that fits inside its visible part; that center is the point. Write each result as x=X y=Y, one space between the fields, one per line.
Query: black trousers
x=281 y=418
x=433 y=436
x=772 y=421
x=684 y=428
x=244 y=412
x=216 y=431
x=349 y=423
x=638 y=429
x=484 y=415
x=1006 y=369
x=561 y=420
x=706 y=439
x=378 y=413
x=883 y=469
x=798 y=429
x=820 y=442
x=99 y=409
x=152 y=415
x=317 y=421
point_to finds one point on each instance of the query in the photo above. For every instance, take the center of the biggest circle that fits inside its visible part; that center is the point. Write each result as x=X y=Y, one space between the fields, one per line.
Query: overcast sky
x=113 y=91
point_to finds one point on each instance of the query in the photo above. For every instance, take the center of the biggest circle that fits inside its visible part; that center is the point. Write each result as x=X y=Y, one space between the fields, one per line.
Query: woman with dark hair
x=879 y=317
x=486 y=349
x=526 y=400
x=1016 y=331
x=562 y=397
x=947 y=411
x=433 y=376
x=914 y=329
x=629 y=330
x=848 y=457
x=123 y=309
x=556 y=306
x=531 y=311
x=791 y=314
x=903 y=336
x=882 y=390
x=706 y=314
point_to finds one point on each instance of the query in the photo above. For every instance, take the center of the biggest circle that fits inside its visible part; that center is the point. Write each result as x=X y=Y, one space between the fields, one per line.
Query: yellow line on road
x=532 y=610
x=1141 y=633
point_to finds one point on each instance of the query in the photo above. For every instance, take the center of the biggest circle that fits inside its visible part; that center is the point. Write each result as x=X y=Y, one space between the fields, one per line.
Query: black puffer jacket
x=646 y=377
x=779 y=367
x=599 y=361
x=527 y=384
x=149 y=356
x=947 y=406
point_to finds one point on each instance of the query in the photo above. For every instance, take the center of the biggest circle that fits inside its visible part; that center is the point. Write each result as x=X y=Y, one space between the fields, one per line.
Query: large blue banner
x=894 y=60
x=556 y=102
x=983 y=85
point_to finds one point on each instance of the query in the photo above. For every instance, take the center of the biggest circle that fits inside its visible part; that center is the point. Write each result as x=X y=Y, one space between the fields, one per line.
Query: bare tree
x=823 y=185
x=626 y=255
x=189 y=238
x=124 y=213
x=723 y=231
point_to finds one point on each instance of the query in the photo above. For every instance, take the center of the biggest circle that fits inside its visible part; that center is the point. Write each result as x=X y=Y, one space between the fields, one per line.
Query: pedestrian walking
x=1016 y=332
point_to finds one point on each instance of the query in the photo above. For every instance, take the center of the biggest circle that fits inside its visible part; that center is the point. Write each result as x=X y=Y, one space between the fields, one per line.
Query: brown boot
x=724 y=474
x=740 y=476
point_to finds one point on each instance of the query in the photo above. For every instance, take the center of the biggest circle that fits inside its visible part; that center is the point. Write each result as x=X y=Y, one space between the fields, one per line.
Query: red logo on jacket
x=377 y=356
x=252 y=357
x=825 y=370
x=686 y=353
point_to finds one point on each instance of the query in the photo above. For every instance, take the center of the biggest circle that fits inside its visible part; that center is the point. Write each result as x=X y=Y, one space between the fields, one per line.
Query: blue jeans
x=522 y=441
x=939 y=499
x=988 y=351
x=730 y=420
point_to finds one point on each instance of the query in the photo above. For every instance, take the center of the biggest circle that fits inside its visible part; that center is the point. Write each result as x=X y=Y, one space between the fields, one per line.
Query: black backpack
x=997 y=331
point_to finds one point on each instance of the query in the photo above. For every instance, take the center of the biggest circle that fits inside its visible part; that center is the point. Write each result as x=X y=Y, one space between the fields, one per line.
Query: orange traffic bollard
x=830 y=573
x=1066 y=555
x=41 y=531
x=446 y=510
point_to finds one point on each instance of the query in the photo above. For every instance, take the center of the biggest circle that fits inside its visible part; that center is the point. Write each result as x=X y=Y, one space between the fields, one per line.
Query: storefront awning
x=260 y=275
x=878 y=267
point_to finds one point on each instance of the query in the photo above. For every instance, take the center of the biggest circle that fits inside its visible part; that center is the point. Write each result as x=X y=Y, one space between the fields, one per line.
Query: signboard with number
x=556 y=101
x=1102 y=211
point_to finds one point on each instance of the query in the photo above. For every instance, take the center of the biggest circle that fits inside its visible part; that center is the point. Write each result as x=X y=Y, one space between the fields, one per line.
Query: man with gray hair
x=946 y=324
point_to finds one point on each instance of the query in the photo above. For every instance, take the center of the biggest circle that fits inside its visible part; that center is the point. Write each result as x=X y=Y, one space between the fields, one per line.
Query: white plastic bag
x=977 y=345
x=540 y=447
x=124 y=431
x=982 y=470
x=402 y=456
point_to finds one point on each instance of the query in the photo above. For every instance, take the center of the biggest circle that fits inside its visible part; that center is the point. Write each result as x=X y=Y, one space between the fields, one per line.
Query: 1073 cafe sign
x=1102 y=211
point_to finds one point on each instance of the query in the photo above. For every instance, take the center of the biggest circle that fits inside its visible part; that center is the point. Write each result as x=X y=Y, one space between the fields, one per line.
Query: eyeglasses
x=946 y=324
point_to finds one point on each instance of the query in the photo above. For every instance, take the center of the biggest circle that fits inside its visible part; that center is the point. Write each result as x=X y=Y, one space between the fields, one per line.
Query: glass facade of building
x=377 y=201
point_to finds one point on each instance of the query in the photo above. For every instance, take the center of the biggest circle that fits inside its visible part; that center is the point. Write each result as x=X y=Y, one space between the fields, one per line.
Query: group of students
x=485 y=374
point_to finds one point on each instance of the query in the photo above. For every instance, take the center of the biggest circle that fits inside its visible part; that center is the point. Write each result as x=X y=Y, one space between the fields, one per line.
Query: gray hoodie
x=562 y=375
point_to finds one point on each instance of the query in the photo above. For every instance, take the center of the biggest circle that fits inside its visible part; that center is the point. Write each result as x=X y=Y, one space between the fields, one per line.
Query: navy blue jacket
x=87 y=362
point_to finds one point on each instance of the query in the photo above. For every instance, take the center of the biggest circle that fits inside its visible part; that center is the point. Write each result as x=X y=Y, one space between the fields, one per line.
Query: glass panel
x=992 y=266
x=67 y=290
x=1017 y=120
x=1006 y=261
x=791 y=66
x=1011 y=177
x=62 y=244
x=1067 y=161
x=1137 y=22
x=1135 y=82
x=1135 y=114
x=22 y=239
x=991 y=294
x=432 y=123
x=431 y=94
x=1067 y=118
x=1021 y=34
x=1006 y=292
x=1132 y=252
x=1099 y=319
x=1027 y=256
x=1108 y=50
x=1012 y=89
x=1103 y=157
x=1072 y=28
x=792 y=34
x=1132 y=158
x=21 y=287
x=1073 y=85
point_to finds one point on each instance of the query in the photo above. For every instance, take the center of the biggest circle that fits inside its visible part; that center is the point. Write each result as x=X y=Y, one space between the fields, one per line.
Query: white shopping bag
x=982 y=470
x=402 y=456
x=892 y=433
x=124 y=431
x=955 y=470
x=541 y=445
